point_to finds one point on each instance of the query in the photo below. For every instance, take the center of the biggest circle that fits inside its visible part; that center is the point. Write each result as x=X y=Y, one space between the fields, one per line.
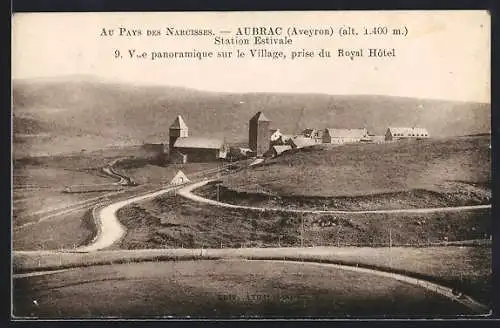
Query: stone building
x=259 y=134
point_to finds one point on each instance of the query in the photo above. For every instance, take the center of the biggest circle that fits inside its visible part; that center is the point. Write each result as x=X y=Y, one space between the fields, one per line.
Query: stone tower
x=178 y=129
x=258 y=134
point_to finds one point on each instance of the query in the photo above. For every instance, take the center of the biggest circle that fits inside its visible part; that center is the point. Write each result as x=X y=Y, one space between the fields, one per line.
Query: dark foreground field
x=430 y=173
x=222 y=289
x=467 y=269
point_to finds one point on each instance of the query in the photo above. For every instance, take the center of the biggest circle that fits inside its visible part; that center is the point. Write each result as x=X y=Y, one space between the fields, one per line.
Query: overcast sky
x=446 y=55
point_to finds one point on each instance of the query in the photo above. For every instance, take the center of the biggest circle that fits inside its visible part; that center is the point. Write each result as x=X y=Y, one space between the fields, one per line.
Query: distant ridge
x=85 y=112
x=477 y=135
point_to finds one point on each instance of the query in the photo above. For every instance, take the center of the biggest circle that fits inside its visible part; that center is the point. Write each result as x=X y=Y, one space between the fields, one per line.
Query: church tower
x=178 y=129
x=258 y=134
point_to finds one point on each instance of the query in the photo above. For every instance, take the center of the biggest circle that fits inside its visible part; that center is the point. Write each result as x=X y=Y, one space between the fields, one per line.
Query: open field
x=172 y=221
x=466 y=268
x=65 y=231
x=54 y=177
x=45 y=217
x=38 y=190
x=43 y=205
x=401 y=174
x=67 y=228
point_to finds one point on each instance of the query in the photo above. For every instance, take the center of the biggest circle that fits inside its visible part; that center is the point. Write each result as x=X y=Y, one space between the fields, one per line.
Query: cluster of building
x=264 y=141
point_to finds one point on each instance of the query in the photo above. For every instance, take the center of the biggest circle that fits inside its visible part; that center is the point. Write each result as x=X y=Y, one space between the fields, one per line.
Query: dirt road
x=187 y=192
x=110 y=230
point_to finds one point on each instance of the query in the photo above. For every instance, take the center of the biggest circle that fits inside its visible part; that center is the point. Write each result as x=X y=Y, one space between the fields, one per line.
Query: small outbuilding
x=315 y=134
x=280 y=149
x=179 y=179
x=300 y=141
x=275 y=135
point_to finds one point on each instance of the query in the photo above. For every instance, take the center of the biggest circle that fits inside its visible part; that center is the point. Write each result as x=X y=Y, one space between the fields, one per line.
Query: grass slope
x=85 y=113
x=174 y=222
x=457 y=167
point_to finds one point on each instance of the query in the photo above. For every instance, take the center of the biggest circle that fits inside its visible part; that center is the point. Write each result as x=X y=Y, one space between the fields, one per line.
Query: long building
x=398 y=133
x=342 y=136
x=183 y=148
x=195 y=149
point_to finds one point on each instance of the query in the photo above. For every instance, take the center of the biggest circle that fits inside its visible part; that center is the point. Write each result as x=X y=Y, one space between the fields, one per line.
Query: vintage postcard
x=235 y=165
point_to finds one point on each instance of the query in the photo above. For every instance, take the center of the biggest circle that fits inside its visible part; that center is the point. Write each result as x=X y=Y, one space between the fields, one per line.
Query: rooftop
x=199 y=142
x=259 y=116
x=408 y=130
x=347 y=133
x=301 y=141
x=178 y=123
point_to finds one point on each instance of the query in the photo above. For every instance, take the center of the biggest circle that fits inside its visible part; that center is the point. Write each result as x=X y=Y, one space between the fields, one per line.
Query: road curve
x=187 y=192
x=444 y=291
x=109 y=228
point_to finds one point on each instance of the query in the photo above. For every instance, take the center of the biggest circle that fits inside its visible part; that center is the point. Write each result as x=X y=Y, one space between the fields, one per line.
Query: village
x=247 y=165
x=263 y=141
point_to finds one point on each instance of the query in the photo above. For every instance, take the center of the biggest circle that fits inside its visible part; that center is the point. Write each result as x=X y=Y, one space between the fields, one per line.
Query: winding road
x=110 y=231
x=187 y=192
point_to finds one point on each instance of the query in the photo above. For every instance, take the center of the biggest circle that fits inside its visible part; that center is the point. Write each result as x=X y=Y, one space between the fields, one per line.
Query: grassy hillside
x=171 y=222
x=80 y=113
x=460 y=166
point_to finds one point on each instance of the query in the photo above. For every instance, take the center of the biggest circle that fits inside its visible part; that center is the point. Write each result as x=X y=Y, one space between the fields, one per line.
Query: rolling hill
x=77 y=112
x=448 y=170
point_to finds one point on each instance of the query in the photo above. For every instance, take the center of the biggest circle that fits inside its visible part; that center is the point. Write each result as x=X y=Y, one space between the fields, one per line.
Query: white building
x=397 y=133
x=275 y=135
x=342 y=136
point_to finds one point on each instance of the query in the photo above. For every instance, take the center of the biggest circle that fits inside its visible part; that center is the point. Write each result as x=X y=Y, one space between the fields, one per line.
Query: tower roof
x=260 y=117
x=178 y=123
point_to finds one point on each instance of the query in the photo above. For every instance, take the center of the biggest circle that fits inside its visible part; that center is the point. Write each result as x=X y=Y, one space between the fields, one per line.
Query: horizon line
x=106 y=80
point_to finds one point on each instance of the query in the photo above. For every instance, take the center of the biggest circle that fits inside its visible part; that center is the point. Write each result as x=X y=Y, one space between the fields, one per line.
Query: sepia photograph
x=251 y=165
